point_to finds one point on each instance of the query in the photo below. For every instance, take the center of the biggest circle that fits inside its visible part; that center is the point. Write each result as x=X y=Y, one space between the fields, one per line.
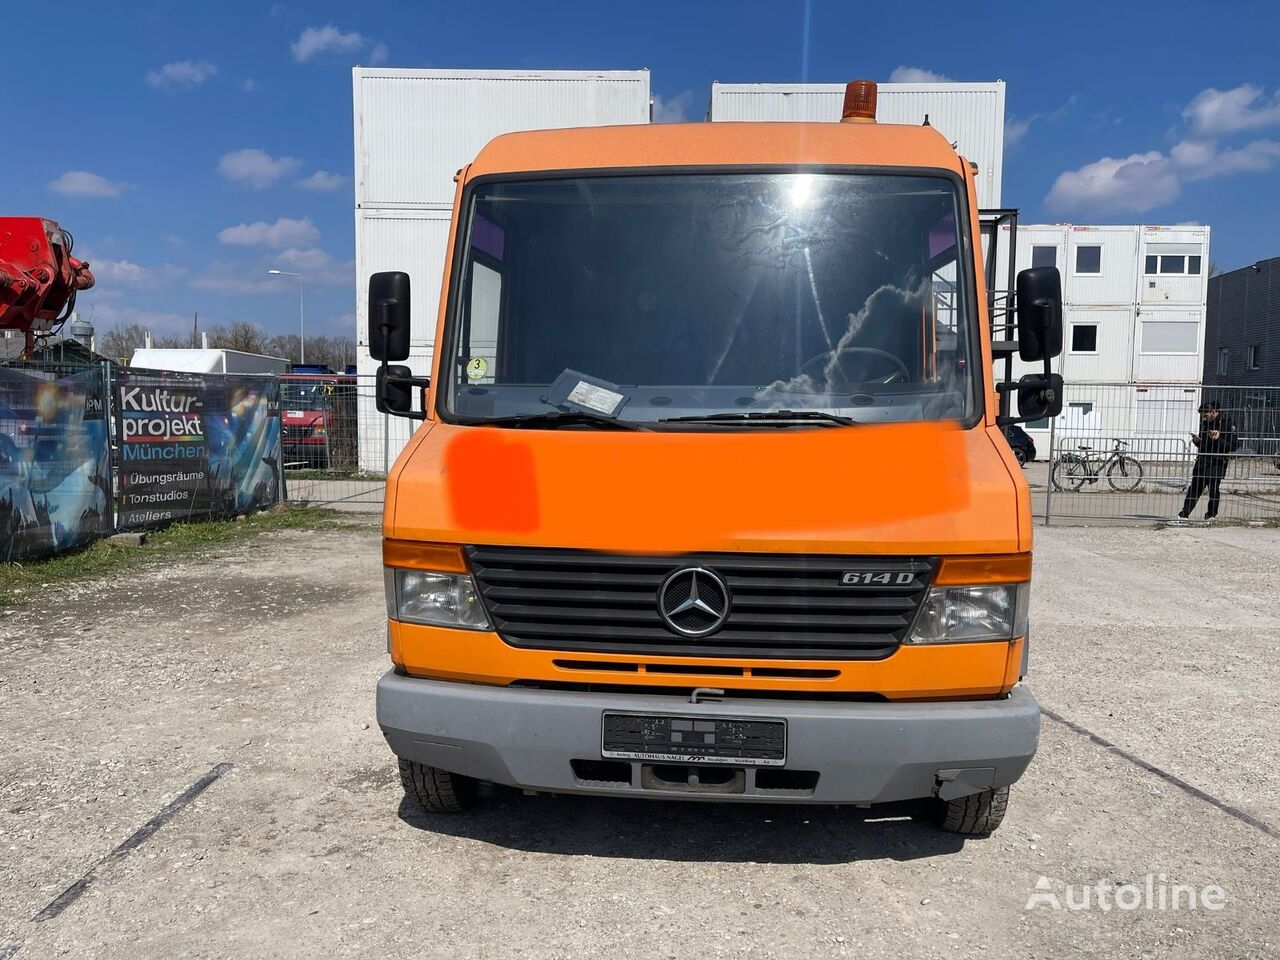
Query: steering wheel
x=821 y=361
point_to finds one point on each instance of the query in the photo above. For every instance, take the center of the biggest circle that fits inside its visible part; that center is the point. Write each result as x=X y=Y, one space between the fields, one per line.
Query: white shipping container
x=970 y=115
x=414 y=129
x=1127 y=319
x=206 y=360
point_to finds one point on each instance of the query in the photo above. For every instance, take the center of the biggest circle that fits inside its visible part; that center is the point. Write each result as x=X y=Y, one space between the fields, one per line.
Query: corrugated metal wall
x=971 y=115
x=415 y=128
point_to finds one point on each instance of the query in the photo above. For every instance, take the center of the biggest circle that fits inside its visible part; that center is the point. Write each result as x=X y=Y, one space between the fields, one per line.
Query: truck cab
x=710 y=498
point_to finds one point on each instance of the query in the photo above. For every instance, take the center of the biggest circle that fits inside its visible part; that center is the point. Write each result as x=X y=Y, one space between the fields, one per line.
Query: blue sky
x=191 y=146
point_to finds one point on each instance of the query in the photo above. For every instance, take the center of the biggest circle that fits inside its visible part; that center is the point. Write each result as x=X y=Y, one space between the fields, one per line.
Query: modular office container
x=414 y=129
x=970 y=115
x=1133 y=314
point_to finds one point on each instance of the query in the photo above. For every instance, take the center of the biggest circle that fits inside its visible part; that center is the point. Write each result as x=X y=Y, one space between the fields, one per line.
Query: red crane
x=39 y=278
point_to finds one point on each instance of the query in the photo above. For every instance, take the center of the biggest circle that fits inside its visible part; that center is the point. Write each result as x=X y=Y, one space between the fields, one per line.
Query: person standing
x=1215 y=441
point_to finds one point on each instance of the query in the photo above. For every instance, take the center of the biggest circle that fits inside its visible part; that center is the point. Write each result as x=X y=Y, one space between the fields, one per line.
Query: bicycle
x=1071 y=471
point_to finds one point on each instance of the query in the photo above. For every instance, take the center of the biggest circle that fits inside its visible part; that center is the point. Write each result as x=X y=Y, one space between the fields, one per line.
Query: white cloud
x=1215 y=112
x=378 y=54
x=255 y=168
x=322 y=181
x=283 y=233
x=248 y=84
x=319 y=266
x=126 y=273
x=1137 y=183
x=1191 y=154
x=181 y=73
x=222 y=276
x=1143 y=181
x=917 y=75
x=675 y=110
x=81 y=183
x=317 y=41
x=1201 y=160
x=120 y=271
x=1014 y=130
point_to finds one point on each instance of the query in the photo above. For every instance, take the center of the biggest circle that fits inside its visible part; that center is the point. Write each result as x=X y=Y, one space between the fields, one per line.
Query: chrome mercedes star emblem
x=694 y=601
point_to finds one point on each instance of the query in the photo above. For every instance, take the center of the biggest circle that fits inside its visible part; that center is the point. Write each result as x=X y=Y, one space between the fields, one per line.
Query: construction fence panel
x=1127 y=451
x=193 y=446
x=342 y=459
x=55 y=459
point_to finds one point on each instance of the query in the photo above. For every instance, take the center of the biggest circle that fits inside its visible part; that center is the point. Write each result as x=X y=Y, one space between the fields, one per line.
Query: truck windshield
x=298 y=394
x=702 y=294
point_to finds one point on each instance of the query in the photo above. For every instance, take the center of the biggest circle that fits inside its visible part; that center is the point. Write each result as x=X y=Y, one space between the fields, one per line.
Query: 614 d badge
x=876 y=578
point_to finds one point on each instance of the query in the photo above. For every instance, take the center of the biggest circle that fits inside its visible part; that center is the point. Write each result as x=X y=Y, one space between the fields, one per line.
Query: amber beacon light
x=859 y=102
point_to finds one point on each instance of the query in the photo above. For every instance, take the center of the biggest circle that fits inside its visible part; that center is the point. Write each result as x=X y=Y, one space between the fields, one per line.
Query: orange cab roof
x=717 y=144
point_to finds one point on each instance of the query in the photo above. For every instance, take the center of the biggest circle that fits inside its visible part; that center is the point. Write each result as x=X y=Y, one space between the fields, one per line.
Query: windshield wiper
x=766 y=417
x=561 y=418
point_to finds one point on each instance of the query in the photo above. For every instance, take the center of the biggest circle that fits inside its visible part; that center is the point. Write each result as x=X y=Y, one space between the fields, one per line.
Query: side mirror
x=1039 y=299
x=1039 y=396
x=389 y=316
x=393 y=391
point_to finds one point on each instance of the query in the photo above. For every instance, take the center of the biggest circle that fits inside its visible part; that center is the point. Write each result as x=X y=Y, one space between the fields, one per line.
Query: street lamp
x=302 y=330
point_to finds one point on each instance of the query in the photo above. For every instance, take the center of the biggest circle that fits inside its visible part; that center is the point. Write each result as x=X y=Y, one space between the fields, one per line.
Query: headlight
x=435 y=599
x=970 y=614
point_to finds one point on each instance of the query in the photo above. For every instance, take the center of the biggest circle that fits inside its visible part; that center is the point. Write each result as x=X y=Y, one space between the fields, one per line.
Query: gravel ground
x=118 y=696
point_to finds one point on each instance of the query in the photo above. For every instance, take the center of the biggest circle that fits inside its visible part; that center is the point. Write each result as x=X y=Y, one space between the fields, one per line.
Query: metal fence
x=1125 y=452
x=1143 y=478
x=1119 y=451
x=88 y=447
x=338 y=448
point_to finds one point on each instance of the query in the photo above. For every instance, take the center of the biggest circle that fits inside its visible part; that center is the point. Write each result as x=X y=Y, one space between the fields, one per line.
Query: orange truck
x=710 y=498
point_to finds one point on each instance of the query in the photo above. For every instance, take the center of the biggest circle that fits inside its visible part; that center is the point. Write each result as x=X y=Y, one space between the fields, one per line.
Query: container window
x=1044 y=256
x=1089 y=259
x=1152 y=265
x=1255 y=356
x=1173 y=264
x=1193 y=266
x=1169 y=336
x=1084 y=338
x=1224 y=358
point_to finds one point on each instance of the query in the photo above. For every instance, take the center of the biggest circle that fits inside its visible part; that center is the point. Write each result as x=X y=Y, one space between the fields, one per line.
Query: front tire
x=976 y=815
x=1124 y=474
x=437 y=790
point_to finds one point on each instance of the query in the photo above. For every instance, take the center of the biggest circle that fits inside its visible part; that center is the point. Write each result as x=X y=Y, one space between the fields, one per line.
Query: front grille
x=783 y=605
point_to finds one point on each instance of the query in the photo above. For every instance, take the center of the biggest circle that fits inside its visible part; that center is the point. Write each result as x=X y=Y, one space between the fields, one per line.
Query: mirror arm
x=384 y=307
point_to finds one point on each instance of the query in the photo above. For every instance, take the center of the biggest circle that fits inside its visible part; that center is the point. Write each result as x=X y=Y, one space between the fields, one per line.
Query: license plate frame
x=741 y=745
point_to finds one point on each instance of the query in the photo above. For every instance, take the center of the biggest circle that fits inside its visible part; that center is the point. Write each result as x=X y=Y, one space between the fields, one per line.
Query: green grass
x=181 y=539
x=314 y=473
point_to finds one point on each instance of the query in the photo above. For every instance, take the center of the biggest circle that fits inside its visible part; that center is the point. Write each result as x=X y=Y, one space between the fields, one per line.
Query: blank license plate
x=677 y=739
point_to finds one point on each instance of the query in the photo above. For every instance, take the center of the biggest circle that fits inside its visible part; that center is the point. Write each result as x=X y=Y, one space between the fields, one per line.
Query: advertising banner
x=195 y=446
x=55 y=462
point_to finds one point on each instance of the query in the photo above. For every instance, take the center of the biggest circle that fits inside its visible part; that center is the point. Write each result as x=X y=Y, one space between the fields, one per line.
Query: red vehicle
x=317 y=411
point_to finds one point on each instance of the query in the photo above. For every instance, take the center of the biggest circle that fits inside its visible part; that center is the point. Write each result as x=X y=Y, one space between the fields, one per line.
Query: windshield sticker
x=595 y=398
x=477 y=367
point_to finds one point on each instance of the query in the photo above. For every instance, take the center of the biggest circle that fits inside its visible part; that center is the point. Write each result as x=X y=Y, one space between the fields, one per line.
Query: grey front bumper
x=863 y=752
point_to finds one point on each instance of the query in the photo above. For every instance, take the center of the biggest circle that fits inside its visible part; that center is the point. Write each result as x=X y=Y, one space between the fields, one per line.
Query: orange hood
x=893 y=488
